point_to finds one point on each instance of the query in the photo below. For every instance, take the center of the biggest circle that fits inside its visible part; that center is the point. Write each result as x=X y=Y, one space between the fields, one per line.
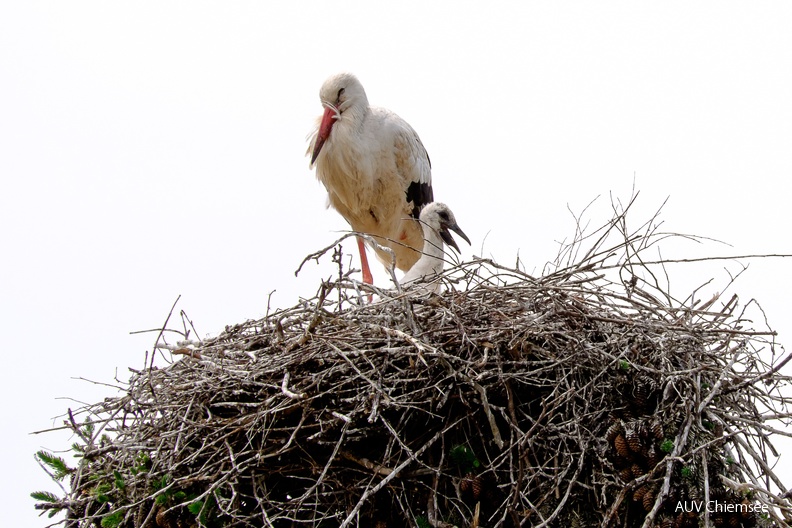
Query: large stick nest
x=588 y=396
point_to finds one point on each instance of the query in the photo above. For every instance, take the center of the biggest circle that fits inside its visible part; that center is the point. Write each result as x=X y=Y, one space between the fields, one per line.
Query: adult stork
x=436 y=219
x=375 y=169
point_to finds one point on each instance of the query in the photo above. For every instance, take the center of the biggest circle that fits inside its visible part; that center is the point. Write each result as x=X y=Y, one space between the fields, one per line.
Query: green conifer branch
x=45 y=496
x=58 y=466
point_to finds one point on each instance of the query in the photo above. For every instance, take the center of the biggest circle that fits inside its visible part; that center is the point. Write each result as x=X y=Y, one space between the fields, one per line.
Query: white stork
x=437 y=219
x=375 y=169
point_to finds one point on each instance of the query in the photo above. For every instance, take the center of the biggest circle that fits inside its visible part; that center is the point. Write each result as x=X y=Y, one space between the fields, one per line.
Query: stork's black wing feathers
x=419 y=194
x=417 y=168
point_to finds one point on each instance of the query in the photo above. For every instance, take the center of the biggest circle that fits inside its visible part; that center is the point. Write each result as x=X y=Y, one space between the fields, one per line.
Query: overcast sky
x=156 y=149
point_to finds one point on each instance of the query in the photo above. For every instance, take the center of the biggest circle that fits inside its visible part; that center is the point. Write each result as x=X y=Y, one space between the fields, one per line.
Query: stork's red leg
x=367 y=278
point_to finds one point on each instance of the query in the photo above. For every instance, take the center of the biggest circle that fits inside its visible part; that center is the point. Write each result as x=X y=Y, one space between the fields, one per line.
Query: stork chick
x=436 y=219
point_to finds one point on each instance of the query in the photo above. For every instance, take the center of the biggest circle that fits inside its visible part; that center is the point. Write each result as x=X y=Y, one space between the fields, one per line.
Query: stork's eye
x=443 y=215
x=340 y=92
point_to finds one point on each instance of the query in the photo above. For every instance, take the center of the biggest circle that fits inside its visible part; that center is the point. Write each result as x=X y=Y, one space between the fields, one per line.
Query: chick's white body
x=436 y=219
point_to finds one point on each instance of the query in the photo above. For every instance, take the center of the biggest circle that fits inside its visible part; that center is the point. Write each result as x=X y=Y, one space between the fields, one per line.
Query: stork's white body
x=374 y=167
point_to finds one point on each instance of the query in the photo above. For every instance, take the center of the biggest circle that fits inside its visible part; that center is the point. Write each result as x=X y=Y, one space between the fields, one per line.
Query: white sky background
x=154 y=149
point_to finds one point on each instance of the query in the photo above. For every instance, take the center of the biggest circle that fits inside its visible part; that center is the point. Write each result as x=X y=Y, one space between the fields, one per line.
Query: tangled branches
x=588 y=396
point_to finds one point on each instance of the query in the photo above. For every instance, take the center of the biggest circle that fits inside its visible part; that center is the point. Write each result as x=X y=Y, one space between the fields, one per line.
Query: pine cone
x=476 y=487
x=465 y=484
x=657 y=429
x=626 y=474
x=648 y=499
x=637 y=470
x=165 y=519
x=620 y=443
x=615 y=429
x=471 y=486
x=747 y=514
x=638 y=494
x=641 y=395
x=634 y=441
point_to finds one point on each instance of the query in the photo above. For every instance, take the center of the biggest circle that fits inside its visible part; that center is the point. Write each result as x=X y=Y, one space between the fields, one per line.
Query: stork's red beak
x=328 y=119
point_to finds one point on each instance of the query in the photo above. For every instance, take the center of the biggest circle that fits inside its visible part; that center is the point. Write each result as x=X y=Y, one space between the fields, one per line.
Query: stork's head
x=342 y=93
x=440 y=218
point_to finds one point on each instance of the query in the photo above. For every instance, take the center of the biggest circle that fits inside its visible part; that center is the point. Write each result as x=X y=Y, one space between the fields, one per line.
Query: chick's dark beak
x=448 y=239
